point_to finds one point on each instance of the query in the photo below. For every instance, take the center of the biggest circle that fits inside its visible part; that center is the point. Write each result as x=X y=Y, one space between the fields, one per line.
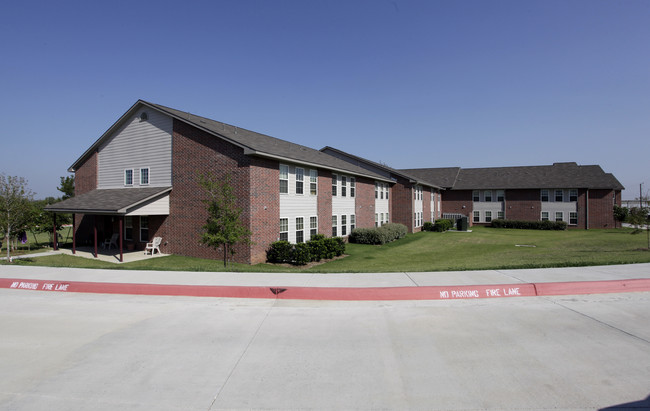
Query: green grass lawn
x=483 y=248
x=39 y=242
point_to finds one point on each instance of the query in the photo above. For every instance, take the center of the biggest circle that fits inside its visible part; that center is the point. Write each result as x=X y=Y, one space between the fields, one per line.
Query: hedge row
x=316 y=249
x=378 y=235
x=440 y=225
x=530 y=225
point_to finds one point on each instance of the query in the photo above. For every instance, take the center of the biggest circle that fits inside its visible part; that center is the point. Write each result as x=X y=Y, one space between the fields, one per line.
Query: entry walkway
x=338 y=286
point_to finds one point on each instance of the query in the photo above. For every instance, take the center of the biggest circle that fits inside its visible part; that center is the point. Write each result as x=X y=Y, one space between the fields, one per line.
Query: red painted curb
x=339 y=294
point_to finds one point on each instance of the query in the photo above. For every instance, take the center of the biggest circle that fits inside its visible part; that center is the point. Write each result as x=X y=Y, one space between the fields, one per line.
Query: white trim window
x=545 y=216
x=128 y=228
x=344 y=225
x=284 y=229
x=501 y=215
x=376 y=190
x=344 y=186
x=144 y=176
x=487 y=196
x=544 y=195
x=488 y=216
x=313 y=182
x=353 y=222
x=313 y=226
x=501 y=196
x=476 y=216
x=559 y=196
x=559 y=216
x=573 y=195
x=284 y=179
x=573 y=218
x=334 y=184
x=476 y=196
x=144 y=228
x=128 y=177
x=300 y=229
x=376 y=219
x=334 y=226
x=300 y=180
x=353 y=186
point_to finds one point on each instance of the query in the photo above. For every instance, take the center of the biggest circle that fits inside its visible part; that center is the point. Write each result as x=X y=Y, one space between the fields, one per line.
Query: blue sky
x=408 y=83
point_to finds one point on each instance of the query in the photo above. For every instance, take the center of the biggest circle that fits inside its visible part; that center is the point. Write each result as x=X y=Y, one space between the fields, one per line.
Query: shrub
x=427 y=226
x=279 y=252
x=300 y=254
x=380 y=235
x=317 y=248
x=529 y=225
x=442 y=224
x=335 y=247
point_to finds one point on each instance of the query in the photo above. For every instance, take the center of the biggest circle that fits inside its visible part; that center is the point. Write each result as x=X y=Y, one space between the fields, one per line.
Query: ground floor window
x=545 y=216
x=300 y=225
x=573 y=218
x=313 y=226
x=344 y=225
x=353 y=222
x=501 y=215
x=477 y=216
x=284 y=229
x=144 y=228
x=488 y=216
x=128 y=228
x=559 y=216
x=334 y=226
x=376 y=220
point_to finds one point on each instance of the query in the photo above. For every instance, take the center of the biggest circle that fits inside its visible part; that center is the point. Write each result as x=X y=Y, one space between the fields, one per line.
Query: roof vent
x=144 y=116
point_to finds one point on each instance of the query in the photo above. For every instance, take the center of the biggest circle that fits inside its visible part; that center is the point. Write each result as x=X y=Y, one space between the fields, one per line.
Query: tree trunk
x=225 y=255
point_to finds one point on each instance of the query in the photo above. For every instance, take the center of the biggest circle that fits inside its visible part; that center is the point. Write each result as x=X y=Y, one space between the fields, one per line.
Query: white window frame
x=573 y=215
x=344 y=186
x=501 y=215
x=313 y=182
x=561 y=214
x=128 y=173
x=376 y=190
x=144 y=221
x=487 y=196
x=284 y=172
x=313 y=226
x=335 y=223
x=284 y=229
x=547 y=218
x=335 y=184
x=488 y=216
x=300 y=230
x=353 y=222
x=476 y=196
x=573 y=193
x=344 y=225
x=148 y=173
x=376 y=219
x=555 y=196
x=353 y=186
x=476 y=216
x=501 y=194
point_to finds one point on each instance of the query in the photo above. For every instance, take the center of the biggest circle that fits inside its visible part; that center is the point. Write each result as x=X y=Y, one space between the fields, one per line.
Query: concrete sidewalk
x=363 y=286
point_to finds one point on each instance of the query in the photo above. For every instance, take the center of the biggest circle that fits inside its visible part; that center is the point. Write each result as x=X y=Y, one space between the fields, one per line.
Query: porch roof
x=110 y=201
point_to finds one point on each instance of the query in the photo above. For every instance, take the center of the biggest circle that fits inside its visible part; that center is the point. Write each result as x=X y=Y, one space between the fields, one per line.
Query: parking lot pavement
x=69 y=351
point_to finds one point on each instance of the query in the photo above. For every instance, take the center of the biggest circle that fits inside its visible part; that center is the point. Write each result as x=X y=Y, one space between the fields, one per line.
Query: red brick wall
x=324 y=202
x=264 y=206
x=365 y=203
x=195 y=152
x=601 y=209
x=458 y=201
x=523 y=205
x=401 y=203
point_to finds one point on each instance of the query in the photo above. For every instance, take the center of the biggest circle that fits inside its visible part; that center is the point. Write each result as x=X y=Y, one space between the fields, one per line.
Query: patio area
x=110 y=255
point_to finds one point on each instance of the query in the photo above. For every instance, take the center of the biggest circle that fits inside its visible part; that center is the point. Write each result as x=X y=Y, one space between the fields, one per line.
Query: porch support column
x=121 y=218
x=95 y=234
x=54 y=244
x=74 y=234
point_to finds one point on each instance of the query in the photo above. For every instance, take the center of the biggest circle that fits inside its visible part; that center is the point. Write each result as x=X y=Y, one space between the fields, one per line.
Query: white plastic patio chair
x=153 y=246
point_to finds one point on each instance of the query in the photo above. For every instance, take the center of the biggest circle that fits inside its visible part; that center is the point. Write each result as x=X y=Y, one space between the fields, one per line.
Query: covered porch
x=111 y=256
x=103 y=220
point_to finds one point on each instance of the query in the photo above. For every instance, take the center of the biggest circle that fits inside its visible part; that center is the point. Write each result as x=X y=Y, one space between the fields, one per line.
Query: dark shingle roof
x=558 y=175
x=263 y=145
x=360 y=161
x=444 y=177
x=108 y=201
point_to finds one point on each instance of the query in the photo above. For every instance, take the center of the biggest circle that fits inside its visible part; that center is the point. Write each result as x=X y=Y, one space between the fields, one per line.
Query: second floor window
x=501 y=196
x=284 y=229
x=344 y=184
x=573 y=195
x=300 y=178
x=284 y=179
x=353 y=186
x=144 y=176
x=334 y=185
x=544 y=195
x=313 y=182
x=488 y=195
x=475 y=196
x=128 y=177
x=559 y=196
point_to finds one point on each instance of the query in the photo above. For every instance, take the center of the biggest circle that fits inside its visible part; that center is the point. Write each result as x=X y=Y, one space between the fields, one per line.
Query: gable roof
x=361 y=162
x=558 y=175
x=443 y=176
x=253 y=143
x=108 y=201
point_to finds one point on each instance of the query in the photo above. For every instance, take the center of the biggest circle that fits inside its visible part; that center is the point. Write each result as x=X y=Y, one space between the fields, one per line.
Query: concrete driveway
x=75 y=351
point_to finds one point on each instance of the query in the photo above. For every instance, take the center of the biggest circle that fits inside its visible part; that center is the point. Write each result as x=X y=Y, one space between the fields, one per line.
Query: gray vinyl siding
x=138 y=144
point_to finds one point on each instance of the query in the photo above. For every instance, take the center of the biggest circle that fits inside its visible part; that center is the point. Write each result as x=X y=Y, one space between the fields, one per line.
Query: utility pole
x=641 y=195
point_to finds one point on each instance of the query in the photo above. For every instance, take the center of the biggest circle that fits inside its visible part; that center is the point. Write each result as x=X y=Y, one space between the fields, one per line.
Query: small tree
x=620 y=213
x=15 y=208
x=638 y=216
x=224 y=227
x=67 y=187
